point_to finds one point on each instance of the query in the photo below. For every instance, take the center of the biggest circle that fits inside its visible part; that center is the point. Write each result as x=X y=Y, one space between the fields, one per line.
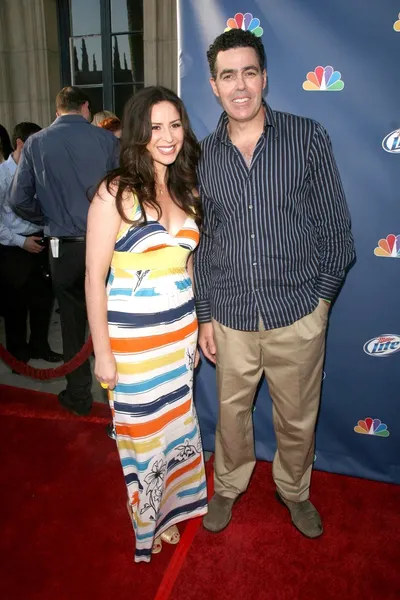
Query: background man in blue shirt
x=58 y=172
x=24 y=269
x=273 y=255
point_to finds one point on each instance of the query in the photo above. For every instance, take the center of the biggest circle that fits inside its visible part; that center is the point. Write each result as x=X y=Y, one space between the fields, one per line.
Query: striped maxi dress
x=153 y=334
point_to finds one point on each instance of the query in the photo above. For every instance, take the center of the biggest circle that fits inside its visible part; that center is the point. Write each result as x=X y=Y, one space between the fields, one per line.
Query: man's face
x=239 y=83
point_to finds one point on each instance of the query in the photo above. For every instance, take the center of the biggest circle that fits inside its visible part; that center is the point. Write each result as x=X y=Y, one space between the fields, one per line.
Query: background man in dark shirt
x=273 y=255
x=59 y=170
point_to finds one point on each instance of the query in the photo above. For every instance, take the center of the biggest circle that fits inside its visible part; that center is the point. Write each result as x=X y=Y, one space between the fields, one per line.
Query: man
x=23 y=269
x=59 y=170
x=273 y=255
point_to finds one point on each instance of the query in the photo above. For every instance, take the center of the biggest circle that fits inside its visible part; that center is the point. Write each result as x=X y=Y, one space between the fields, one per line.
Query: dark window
x=101 y=43
x=122 y=93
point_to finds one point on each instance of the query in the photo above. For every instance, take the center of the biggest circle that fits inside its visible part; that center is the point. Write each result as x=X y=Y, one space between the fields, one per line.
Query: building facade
x=111 y=48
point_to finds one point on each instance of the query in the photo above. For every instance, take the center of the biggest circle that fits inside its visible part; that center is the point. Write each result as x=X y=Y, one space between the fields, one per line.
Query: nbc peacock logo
x=396 y=24
x=245 y=21
x=370 y=426
x=323 y=79
x=388 y=247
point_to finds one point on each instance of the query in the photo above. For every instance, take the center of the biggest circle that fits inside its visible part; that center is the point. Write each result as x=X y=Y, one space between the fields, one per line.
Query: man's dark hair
x=5 y=143
x=23 y=130
x=235 y=38
x=71 y=99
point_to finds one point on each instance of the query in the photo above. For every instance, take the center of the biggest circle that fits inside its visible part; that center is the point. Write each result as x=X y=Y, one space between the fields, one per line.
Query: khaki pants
x=292 y=360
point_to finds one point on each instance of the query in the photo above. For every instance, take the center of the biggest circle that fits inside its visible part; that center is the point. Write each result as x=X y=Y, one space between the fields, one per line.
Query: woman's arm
x=104 y=223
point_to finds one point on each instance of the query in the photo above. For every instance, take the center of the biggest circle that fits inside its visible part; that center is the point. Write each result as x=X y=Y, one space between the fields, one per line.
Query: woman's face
x=167 y=133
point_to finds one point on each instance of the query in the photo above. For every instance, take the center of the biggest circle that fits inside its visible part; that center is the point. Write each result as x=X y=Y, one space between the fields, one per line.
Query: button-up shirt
x=276 y=234
x=62 y=165
x=13 y=229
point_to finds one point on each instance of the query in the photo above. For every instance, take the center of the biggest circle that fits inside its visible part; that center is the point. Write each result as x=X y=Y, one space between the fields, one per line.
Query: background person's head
x=5 y=144
x=112 y=124
x=238 y=73
x=100 y=116
x=19 y=136
x=73 y=100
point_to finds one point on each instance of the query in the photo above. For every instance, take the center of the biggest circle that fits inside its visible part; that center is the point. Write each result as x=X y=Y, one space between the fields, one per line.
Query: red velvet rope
x=43 y=374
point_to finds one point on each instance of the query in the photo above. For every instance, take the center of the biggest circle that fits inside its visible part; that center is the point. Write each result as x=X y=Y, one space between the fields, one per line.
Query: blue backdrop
x=355 y=94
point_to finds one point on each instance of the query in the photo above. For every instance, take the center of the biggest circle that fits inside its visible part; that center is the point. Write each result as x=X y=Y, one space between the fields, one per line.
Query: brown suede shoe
x=219 y=513
x=305 y=516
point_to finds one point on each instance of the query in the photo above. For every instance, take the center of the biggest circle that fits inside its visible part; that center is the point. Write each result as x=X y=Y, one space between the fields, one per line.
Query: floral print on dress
x=155 y=485
x=185 y=451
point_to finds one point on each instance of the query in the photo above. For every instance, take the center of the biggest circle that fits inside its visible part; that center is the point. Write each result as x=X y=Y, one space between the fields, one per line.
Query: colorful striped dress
x=153 y=333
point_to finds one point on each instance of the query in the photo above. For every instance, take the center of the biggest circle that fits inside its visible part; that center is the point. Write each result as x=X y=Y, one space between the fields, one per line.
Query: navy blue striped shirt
x=276 y=235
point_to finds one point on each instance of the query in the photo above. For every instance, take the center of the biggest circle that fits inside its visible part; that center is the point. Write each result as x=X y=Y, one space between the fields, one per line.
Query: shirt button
x=254 y=264
x=252 y=235
x=250 y=206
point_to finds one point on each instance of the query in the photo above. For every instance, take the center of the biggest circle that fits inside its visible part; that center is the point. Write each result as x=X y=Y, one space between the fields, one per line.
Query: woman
x=112 y=124
x=100 y=116
x=144 y=221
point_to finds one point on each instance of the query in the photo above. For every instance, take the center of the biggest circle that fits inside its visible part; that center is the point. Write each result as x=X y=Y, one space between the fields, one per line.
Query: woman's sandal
x=171 y=535
x=157 y=546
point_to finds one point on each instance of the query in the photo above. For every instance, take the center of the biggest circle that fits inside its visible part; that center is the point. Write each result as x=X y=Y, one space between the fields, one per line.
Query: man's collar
x=70 y=118
x=11 y=164
x=222 y=127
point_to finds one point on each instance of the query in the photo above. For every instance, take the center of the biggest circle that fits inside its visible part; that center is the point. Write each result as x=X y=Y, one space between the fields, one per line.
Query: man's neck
x=16 y=155
x=246 y=130
x=76 y=113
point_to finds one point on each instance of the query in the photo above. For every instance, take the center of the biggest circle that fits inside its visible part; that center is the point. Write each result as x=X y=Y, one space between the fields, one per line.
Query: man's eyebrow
x=228 y=71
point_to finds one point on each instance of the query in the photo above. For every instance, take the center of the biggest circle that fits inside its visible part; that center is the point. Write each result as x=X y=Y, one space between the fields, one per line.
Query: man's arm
x=22 y=196
x=203 y=263
x=202 y=279
x=7 y=237
x=330 y=215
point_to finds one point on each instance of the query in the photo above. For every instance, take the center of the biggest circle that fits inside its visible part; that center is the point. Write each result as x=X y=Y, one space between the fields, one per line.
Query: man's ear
x=264 y=76
x=214 y=86
x=19 y=144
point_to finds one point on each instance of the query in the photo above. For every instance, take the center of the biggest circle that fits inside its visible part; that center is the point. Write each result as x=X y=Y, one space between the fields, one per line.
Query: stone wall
x=29 y=61
x=160 y=43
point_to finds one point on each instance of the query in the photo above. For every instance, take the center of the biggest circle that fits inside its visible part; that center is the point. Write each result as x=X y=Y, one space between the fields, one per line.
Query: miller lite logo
x=391 y=143
x=383 y=345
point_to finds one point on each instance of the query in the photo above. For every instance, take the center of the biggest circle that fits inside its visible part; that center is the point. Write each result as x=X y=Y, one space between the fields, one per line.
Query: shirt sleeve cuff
x=19 y=240
x=328 y=286
x=203 y=311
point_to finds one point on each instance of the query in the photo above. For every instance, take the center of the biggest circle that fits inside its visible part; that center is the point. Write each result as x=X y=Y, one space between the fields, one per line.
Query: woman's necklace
x=160 y=190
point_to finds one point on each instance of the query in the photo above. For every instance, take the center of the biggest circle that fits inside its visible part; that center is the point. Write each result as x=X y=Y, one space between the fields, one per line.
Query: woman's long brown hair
x=136 y=171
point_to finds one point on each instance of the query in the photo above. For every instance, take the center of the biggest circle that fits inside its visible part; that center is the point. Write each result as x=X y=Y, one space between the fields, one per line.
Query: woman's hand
x=105 y=370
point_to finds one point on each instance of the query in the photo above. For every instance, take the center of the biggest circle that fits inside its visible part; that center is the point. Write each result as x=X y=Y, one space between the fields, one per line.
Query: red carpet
x=65 y=534
x=260 y=556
